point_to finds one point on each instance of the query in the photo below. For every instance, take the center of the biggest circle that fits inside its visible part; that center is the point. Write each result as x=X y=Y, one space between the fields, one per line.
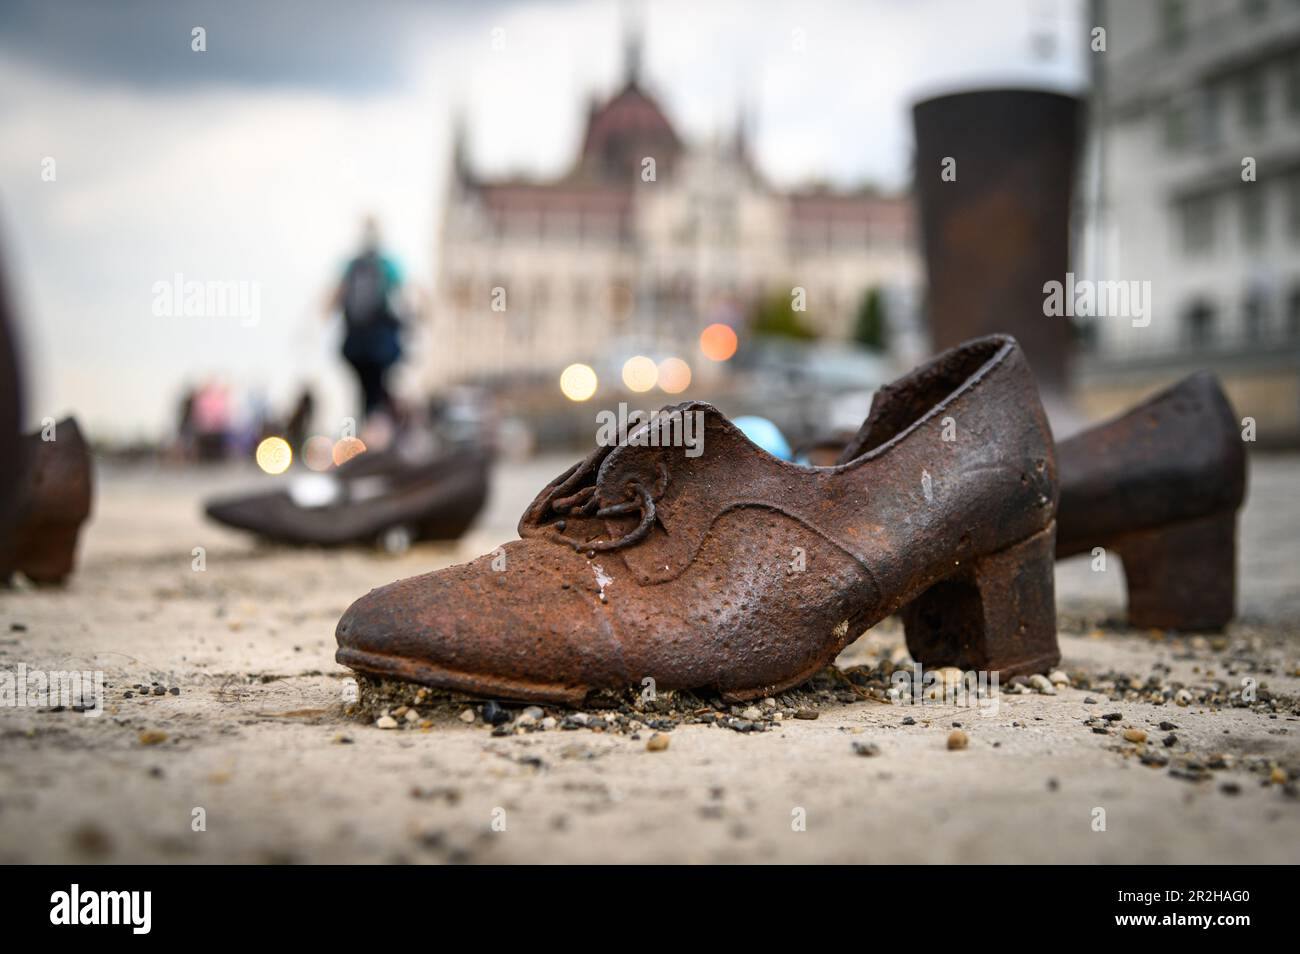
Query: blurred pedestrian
x=372 y=340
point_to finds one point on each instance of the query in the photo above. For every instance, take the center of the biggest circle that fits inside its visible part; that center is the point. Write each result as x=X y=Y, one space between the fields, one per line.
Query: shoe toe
x=518 y=633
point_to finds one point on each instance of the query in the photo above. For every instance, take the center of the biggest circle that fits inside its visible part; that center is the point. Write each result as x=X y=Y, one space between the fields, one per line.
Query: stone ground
x=259 y=736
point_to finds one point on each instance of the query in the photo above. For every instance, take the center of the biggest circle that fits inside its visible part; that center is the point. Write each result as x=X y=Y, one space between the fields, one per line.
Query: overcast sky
x=254 y=160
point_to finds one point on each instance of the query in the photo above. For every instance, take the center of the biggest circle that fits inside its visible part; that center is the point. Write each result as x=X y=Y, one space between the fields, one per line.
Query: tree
x=869 y=326
x=775 y=317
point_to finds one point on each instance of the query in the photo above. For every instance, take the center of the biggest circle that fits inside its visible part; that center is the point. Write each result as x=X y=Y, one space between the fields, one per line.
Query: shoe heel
x=1182 y=576
x=49 y=552
x=997 y=613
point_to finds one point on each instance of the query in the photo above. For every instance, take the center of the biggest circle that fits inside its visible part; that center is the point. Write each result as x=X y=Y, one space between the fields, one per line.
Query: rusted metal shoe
x=53 y=501
x=376 y=497
x=736 y=572
x=1161 y=486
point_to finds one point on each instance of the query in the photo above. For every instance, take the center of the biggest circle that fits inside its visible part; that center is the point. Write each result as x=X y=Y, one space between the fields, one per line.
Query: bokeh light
x=578 y=382
x=640 y=373
x=674 y=375
x=718 y=342
x=274 y=455
x=346 y=448
x=318 y=452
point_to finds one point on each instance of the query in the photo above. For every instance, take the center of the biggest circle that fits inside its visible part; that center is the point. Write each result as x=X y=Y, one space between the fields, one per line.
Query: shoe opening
x=899 y=405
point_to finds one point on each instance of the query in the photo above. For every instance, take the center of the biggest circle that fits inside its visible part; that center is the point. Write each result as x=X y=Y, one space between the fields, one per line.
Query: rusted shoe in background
x=379 y=497
x=52 y=502
x=1161 y=486
x=737 y=572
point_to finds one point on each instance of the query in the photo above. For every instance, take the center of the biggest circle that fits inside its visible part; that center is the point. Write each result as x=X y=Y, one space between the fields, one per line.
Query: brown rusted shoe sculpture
x=53 y=501
x=733 y=571
x=378 y=496
x=1161 y=486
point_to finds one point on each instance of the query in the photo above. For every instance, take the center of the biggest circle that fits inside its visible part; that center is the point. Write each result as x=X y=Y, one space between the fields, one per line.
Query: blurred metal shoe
x=51 y=503
x=716 y=566
x=376 y=497
x=1161 y=486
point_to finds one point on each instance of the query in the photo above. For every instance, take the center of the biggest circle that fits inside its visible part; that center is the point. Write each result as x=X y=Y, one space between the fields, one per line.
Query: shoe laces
x=640 y=499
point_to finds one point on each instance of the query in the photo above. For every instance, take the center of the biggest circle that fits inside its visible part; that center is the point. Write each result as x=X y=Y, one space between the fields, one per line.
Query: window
x=1173 y=24
x=1292 y=70
x=460 y=292
x=1254 y=312
x=1293 y=206
x=1253 y=210
x=1254 y=100
x=1197 y=223
x=1176 y=126
x=1210 y=131
x=1198 y=324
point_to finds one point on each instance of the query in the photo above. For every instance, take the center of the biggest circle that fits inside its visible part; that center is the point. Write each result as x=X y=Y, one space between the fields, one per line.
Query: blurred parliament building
x=645 y=241
x=1188 y=96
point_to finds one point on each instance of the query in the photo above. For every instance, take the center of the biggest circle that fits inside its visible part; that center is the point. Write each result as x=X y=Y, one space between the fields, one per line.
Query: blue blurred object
x=765 y=434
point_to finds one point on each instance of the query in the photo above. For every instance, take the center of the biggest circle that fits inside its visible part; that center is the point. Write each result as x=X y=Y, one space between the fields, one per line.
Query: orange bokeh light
x=718 y=342
x=347 y=448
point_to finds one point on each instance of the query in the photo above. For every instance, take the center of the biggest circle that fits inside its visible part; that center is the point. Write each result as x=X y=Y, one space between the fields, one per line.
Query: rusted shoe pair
x=52 y=501
x=737 y=572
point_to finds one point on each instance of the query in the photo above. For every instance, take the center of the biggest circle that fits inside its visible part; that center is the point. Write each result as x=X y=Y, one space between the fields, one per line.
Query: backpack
x=365 y=292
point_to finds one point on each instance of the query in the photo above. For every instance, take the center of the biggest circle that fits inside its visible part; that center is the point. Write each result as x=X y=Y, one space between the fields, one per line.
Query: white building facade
x=1196 y=190
x=646 y=241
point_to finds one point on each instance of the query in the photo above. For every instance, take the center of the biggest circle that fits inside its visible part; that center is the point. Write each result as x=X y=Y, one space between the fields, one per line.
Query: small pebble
x=411 y=716
x=1170 y=740
x=386 y=722
x=152 y=737
x=1058 y=678
x=867 y=749
x=752 y=714
x=1183 y=698
x=806 y=714
x=1134 y=735
x=657 y=742
x=467 y=716
x=1041 y=683
x=957 y=740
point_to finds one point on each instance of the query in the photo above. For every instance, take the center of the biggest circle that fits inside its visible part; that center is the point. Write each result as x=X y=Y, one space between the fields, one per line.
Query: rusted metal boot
x=994 y=175
x=689 y=556
x=1161 y=486
x=53 y=501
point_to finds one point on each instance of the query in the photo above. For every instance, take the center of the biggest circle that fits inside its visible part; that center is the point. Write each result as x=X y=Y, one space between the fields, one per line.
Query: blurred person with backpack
x=372 y=341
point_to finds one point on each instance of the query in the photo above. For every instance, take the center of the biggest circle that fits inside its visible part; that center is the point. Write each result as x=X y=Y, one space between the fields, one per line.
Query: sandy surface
x=258 y=737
